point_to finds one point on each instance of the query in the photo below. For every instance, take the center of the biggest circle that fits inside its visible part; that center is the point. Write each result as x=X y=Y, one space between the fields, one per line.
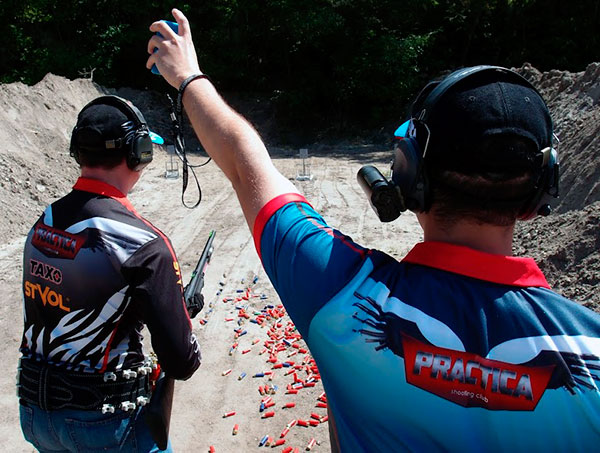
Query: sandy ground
x=200 y=402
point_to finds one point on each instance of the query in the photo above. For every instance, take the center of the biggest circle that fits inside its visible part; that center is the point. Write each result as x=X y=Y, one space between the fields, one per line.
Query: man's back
x=92 y=266
x=450 y=348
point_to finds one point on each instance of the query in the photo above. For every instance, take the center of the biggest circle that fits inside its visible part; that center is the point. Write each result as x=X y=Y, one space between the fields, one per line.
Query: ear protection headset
x=410 y=189
x=138 y=148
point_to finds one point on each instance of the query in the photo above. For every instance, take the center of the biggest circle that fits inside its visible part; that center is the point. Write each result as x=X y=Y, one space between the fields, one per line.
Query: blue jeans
x=86 y=431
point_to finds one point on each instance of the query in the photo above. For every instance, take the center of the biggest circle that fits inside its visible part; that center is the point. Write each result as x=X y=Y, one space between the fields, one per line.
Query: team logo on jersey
x=36 y=291
x=473 y=381
x=56 y=243
x=45 y=271
x=469 y=379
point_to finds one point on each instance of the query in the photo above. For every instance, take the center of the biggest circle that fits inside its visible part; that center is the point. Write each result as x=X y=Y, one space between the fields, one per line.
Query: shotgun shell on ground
x=235 y=429
x=228 y=414
x=268 y=414
x=311 y=444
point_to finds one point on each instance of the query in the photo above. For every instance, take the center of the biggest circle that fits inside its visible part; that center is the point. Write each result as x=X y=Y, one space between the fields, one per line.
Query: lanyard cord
x=180 y=151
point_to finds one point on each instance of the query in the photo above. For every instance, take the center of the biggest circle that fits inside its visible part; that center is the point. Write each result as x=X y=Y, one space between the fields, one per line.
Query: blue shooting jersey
x=449 y=349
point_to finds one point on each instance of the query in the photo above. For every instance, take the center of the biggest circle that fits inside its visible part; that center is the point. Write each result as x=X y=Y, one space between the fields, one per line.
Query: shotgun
x=194 y=300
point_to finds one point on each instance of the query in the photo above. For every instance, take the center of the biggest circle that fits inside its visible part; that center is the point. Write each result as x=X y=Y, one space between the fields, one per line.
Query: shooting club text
x=471 y=380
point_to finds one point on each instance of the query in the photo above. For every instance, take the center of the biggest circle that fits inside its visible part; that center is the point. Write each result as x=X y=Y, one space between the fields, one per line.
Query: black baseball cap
x=477 y=104
x=108 y=123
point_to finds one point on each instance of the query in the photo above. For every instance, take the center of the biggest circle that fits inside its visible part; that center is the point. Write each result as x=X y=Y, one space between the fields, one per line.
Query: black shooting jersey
x=95 y=271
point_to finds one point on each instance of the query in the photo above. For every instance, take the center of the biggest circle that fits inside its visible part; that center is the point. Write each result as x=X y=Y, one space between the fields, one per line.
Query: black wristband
x=184 y=85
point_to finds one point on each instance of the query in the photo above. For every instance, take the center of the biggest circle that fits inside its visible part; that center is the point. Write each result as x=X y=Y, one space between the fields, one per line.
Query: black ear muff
x=137 y=148
x=408 y=174
x=73 y=150
x=141 y=152
x=546 y=188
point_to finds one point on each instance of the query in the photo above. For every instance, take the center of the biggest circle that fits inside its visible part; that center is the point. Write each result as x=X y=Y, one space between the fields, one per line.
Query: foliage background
x=334 y=66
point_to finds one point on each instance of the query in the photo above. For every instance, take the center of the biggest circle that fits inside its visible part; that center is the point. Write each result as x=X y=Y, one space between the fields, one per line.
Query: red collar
x=505 y=270
x=101 y=188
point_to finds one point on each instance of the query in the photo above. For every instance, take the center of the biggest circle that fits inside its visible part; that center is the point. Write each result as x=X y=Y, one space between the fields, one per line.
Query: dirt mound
x=573 y=101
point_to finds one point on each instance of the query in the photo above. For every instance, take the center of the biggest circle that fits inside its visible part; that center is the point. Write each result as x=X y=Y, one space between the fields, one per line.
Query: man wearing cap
x=94 y=272
x=459 y=346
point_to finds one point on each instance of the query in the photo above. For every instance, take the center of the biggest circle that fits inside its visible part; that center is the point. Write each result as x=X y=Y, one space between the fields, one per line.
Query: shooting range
x=325 y=92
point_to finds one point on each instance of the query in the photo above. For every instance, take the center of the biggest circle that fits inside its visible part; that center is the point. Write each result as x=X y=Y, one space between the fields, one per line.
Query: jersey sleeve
x=156 y=285
x=307 y=261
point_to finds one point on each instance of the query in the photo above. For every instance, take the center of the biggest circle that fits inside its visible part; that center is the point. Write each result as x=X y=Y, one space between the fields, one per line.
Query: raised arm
x=228 y=138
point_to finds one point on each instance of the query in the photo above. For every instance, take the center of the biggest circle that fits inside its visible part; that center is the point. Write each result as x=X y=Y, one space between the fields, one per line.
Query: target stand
x=304 y=173
x=172 y=164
